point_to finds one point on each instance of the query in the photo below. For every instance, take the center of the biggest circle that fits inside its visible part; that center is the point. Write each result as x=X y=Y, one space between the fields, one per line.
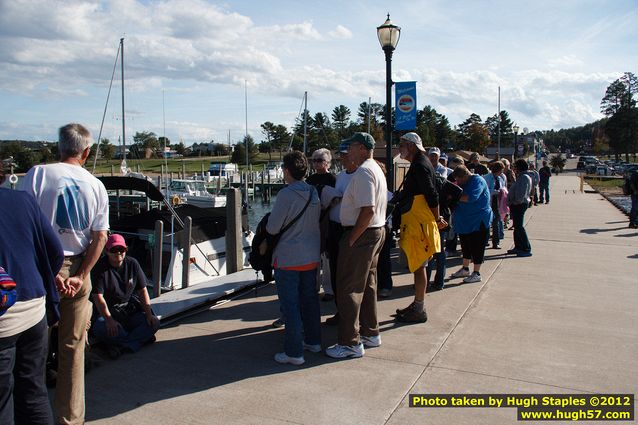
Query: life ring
x=175 y=200
x=13 y=179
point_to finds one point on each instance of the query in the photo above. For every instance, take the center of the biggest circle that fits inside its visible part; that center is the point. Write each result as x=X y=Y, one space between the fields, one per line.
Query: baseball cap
x=343 y=147
x=443 y=156
x=115 y=240
x=434 y=150
x=364 y=138
x=413 y=138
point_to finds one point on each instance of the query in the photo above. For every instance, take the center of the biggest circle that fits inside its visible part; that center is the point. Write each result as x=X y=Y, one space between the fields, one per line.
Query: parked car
x=583 y=161
x=628 y=169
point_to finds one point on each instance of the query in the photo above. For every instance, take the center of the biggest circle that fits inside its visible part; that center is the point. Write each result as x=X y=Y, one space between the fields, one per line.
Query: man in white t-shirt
x=363 y=209
x=77 y=204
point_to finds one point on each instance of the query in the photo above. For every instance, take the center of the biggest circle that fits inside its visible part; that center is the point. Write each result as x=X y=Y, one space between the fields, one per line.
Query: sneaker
x=313 y=348
x=279 y=323
x=524 y=254
x=462 y=272
x=473 y=278
x=412 y=316
x=283 y=358
x=403 y=310
x=332 y=321
x=385 y=293
x=343 y=351
x=371 y=341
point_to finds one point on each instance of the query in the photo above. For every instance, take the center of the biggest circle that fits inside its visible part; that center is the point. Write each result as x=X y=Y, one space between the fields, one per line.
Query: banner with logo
x=405 y=101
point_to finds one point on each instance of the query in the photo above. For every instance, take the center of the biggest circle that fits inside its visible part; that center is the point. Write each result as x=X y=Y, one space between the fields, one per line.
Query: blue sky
x=552 y=60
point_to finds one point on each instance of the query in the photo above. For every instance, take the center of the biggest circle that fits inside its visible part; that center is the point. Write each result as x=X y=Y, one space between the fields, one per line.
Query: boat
x=193 y=192
x=273 y=172
x=207 y=259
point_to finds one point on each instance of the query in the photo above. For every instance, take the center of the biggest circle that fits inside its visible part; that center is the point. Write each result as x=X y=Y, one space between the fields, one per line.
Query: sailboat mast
x=305 y=121
x=123 y=123
x=246 y=107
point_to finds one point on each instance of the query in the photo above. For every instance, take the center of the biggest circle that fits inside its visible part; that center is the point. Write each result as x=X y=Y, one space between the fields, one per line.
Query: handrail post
x=234 y=249
x=186 y=246
x=157 y=258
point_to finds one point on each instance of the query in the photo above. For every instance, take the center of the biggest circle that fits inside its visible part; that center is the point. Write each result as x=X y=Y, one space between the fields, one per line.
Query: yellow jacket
x=420 y=238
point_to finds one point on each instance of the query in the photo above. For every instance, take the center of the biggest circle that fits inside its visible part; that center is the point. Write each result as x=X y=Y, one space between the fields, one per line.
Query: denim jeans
x=439 y=260
x=299 y=301
x=544 y=193
x=633 y=214
x=384 y=265
x=23 y=393
x=132 y=334
x=521 y=242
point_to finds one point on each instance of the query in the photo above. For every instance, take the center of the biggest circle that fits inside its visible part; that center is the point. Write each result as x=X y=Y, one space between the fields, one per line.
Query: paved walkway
x=562 y=321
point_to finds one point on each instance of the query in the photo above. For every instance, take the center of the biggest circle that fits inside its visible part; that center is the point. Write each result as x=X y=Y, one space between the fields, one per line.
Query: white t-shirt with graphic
x=366 y=189
x=74 y=200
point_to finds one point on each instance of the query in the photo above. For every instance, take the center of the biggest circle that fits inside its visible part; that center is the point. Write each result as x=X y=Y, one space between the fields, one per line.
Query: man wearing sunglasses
x=126 y=321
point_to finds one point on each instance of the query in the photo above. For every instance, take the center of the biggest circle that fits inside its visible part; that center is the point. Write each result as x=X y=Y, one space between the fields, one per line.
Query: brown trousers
x=75 y=313
x=357 y=285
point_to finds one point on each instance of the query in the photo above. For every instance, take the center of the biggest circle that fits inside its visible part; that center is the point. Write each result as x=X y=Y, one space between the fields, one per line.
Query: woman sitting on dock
x=295 y=260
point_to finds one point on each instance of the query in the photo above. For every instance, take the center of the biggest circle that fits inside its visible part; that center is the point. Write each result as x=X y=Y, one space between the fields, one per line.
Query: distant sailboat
x=123 y=166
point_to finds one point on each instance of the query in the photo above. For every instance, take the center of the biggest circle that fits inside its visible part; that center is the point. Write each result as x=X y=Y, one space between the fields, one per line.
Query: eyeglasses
x=117 y=251
x=317 y=160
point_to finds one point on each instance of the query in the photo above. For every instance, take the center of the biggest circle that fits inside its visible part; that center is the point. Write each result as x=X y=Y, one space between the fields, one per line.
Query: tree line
x=617 y=133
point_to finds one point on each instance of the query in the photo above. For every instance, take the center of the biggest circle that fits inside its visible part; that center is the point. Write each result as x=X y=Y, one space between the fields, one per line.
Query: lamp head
x=388 y=34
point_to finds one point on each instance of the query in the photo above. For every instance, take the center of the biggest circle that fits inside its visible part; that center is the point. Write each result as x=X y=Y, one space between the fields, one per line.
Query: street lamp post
x=515 y=128
x=389 y=38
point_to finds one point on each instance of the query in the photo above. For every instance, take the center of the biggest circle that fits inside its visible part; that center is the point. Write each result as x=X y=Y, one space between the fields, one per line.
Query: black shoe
x=327 y=297
x=151 y=340
x=114 y=352
x=404 y=310
x=332 y=321
x=412 y=316
x=496 y=246
x=434 y=288
x=513 y=251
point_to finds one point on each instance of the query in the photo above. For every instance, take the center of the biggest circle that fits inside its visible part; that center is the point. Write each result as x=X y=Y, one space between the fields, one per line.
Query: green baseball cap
x=364 y=138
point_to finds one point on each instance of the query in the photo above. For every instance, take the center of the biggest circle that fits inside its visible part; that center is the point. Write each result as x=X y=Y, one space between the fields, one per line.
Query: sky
x=189 y=64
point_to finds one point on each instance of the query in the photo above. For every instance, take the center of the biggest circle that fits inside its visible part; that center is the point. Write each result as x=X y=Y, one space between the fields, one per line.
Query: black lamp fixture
x=388 y=34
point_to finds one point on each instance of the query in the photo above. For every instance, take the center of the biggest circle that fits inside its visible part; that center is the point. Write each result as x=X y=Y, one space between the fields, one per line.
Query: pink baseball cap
x=115 y=240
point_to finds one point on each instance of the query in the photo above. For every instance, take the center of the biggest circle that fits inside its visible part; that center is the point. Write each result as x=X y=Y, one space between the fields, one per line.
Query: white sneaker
x=343 y=351
x=473 y=278
x=284 y=358
x=371 y=341
x=313 y=348
x=462 y=272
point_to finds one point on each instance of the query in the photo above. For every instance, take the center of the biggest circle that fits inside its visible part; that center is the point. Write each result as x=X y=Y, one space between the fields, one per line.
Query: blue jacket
x=468 y=216
x=30 y=251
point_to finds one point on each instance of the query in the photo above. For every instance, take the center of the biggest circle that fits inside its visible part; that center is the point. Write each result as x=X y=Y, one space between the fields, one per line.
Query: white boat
x=273 y=172
x=193 y=192
x=207 y=259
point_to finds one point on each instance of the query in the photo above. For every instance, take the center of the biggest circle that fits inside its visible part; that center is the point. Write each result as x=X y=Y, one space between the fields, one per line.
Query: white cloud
x=341 y=33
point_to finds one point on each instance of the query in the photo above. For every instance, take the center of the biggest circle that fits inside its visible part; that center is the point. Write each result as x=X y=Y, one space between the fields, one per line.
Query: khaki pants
x=357 y=285
x=75 y=312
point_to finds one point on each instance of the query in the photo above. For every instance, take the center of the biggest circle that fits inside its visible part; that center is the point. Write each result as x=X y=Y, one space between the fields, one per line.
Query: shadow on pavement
x=193 y=359
x=596 y=231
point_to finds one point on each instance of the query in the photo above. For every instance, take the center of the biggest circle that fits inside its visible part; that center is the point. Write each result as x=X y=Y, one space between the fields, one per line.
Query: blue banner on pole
x=405 y=101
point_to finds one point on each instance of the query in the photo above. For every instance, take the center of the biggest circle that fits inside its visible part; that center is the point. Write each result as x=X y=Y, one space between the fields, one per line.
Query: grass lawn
x=192 y=165
x=608 y=185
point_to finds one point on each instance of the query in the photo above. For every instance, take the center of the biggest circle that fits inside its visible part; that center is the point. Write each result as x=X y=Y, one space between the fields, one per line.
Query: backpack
x=8 y=292
x=260 y=256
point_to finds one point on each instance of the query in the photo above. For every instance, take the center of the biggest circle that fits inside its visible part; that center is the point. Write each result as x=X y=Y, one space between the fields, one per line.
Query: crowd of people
x=441 y=201
x=56 y=256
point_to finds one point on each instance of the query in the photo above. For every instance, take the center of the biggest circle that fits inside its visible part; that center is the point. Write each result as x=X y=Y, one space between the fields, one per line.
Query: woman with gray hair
x=321 y=159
